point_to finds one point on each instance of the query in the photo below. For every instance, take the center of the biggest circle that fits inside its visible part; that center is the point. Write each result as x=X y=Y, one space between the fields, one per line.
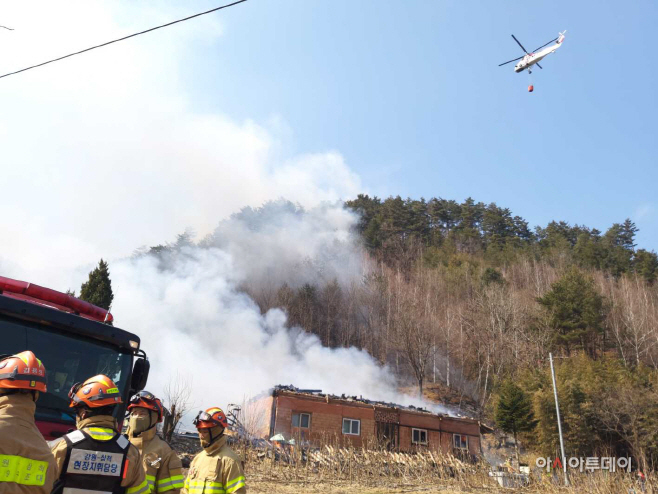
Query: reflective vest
x=162 y=466
x=26 y=464
x=217 y=470
x=93 y=466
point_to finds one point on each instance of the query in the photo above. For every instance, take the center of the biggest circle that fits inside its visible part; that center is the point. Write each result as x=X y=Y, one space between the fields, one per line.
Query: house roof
x=280 y=389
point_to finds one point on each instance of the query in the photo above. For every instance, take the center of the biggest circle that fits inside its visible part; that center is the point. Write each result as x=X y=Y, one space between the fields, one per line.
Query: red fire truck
x=74 y=340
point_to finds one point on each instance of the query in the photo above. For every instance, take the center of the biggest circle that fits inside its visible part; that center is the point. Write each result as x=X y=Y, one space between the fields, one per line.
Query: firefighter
x=26 y=464
x=96 y=458
x=162 y=466
x=217 y=468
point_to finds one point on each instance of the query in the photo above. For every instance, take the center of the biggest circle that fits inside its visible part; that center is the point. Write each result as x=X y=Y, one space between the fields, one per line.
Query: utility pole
x=559 y=424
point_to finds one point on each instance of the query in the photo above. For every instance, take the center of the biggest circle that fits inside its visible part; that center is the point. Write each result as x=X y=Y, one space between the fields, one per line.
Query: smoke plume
x=194 y=320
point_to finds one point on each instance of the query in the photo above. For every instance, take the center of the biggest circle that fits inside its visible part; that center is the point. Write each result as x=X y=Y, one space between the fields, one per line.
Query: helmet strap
x=151 y=424
x=213 y=439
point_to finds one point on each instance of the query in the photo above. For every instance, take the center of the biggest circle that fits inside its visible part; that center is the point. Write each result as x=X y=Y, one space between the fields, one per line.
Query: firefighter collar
x=144 y=437
x=19 y=405
x=105 y=421
x=216 y=446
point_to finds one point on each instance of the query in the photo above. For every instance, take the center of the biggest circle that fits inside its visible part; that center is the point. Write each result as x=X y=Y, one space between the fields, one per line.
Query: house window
x=352 y=427
x=418 y=436
x=460 y=441
x=301 y=420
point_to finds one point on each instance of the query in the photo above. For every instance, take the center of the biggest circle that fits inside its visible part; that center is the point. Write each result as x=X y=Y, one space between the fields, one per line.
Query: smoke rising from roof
x=194 y=319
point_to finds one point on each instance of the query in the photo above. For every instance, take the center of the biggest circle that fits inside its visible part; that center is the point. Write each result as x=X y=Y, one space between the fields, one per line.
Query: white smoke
x=112 y=149
x=117 y=147
x=283 y=243
x=194 y=321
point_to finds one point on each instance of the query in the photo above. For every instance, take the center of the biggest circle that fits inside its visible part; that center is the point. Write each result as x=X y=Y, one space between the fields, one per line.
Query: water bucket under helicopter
x=531 y=88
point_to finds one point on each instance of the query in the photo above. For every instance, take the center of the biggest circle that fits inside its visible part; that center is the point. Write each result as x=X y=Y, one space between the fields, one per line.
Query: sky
x=312 y=100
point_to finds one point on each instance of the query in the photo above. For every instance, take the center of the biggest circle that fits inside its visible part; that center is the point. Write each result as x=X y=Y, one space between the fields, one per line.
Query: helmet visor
x=204 y=417
x=142 y=395
x=74 y=389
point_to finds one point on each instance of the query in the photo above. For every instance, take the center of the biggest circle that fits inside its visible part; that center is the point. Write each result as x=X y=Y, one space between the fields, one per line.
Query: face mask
x=214 y=434
x=139 y=424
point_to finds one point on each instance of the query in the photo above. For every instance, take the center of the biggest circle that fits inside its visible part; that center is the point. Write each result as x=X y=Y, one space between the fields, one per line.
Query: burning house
x=314 y=417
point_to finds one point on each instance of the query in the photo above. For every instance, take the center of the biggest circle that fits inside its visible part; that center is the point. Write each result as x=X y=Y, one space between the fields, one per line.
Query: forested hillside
x=397 y=230
x=470 y=296
x=495 y=297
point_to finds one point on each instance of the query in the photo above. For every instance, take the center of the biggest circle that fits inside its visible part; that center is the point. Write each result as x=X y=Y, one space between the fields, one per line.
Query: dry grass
x=348 y=470
x=333 y=470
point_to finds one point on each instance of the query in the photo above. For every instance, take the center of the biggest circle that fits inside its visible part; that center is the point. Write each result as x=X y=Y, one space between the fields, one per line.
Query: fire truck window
x=69 y=360
x=14 y=337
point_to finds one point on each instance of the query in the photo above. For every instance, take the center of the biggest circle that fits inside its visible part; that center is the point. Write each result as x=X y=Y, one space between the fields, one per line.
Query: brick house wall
x=326 y=423
x=439 y=431
x=466 y=427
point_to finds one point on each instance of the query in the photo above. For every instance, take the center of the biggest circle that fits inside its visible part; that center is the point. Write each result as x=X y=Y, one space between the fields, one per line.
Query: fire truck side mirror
x=140 y=375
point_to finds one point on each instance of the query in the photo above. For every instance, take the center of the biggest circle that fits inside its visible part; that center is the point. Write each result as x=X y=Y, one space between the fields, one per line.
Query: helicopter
x=533 y=58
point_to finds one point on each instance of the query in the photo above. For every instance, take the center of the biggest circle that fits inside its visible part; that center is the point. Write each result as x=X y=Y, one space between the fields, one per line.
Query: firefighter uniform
x=162 y=466
x=216 y=469
x=26 y=464
x=96 y=458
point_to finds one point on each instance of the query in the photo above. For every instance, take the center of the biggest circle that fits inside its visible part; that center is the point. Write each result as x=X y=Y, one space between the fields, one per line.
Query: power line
x=121 y=39
x=7 y=28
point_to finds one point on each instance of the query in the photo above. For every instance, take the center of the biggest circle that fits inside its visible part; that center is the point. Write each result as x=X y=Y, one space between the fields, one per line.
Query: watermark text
x=589 y=464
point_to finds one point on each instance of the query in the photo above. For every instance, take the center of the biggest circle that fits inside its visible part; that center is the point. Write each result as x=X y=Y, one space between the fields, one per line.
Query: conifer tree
x=98 y=288
x=575 y=309
x=514 y=412
x=646 y=265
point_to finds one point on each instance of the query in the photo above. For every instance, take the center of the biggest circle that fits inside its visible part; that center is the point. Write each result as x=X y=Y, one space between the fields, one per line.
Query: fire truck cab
x=74 y=341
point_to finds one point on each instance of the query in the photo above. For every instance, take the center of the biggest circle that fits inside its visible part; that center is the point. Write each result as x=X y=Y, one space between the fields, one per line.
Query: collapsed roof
x=360 y=400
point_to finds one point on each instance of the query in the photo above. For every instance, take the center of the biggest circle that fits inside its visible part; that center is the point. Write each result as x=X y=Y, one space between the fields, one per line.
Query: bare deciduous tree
x=176 y=401
x=415 y=320
x=632 y=320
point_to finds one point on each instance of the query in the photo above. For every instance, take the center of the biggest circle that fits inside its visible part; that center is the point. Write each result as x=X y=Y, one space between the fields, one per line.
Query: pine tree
x=514 y=412
x=646 y=265
x=367 y=208
x=627 y=234
x=98 y=289
x=575 y=309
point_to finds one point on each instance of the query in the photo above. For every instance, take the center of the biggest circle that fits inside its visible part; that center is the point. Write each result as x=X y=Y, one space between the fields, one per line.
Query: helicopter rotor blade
x=519 y=43
x=551 y=41
x=537 y=64
x=510 y=61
